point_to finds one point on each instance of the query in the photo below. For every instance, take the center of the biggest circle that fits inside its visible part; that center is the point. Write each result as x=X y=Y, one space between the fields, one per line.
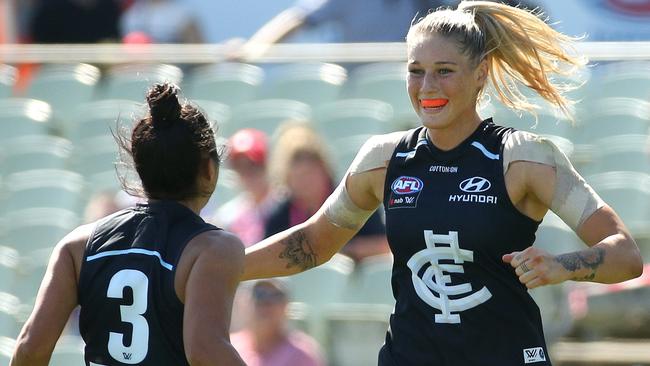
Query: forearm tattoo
x=590 y=259
x=298 y=251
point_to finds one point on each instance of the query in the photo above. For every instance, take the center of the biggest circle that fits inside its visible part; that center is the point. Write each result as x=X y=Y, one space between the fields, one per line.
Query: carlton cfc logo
x=406 y=185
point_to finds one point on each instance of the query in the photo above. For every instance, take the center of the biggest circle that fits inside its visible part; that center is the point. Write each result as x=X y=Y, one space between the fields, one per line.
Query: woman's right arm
x=315 y=241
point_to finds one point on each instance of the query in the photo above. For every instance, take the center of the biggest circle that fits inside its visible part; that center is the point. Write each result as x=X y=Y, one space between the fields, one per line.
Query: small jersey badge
x=533 y=355
x=405 y=191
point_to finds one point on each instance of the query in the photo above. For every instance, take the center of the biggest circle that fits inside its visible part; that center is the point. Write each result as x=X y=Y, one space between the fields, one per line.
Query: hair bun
x=163 y=104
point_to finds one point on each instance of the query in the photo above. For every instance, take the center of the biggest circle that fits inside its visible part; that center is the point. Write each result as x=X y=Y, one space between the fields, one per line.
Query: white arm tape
x=375 y=153
x=342 y=212
x=339 y=208
x=573 y=200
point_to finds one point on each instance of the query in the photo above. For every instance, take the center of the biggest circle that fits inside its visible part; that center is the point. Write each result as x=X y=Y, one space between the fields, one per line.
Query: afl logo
x=406 y=185
x=475 y=185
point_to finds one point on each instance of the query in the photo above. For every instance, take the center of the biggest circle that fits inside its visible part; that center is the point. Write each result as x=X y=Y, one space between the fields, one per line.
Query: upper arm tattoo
x=298 y=251
x=590 y=259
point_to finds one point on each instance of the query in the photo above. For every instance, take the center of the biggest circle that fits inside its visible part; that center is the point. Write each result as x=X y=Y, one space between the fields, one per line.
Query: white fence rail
x=208 y=53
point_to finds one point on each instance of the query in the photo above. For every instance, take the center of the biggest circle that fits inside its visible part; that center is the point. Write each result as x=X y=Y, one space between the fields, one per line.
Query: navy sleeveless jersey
x=130 y=314
x=449 y=220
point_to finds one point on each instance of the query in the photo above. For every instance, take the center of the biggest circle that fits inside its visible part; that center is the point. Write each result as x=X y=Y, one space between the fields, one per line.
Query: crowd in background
x=196 y=21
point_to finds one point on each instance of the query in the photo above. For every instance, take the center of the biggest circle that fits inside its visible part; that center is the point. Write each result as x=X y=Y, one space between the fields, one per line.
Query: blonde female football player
x=463 y=198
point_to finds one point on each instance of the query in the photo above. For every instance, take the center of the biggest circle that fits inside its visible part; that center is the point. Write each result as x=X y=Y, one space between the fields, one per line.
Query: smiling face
x=442 y=83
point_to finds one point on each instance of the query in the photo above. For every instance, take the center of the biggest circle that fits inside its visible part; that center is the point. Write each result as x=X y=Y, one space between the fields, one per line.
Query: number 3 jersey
x=449 y=221
x=130 y=314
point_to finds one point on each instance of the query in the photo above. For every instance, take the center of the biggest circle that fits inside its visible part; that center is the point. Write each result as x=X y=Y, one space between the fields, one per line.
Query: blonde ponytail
x=519 y=47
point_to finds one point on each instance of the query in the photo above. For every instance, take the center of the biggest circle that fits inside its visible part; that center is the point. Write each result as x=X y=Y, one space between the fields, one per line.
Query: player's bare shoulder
x=222 y=245
x=375 y=153
x=73 y=245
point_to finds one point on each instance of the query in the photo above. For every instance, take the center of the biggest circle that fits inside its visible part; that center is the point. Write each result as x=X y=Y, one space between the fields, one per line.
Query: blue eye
x=444 y=71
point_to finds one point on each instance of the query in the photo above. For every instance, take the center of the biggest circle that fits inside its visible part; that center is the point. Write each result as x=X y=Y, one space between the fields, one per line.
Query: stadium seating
x=132 y=81
x=9 y=307
x=7 y=79
x=100 y=154
x=356 y=328
x=22 y=117
x=629 y=194
x=33 y=264
x=621 y=153
x=103 y=118
x=7 y=345
x=332 y=278
x=68 y=352
x=620 y=79
x=353 y=117
x=34 y=152
x=370 y=281
x=343 y=151
x=36 y=228
x=228 y=83
x=384 y=81
x=355 y=333
x=44 y=188
x=613 y=116
x=310 y=83
x=347 y=123
x=219 y=114
x=548 y=121
x=9 y=262
x=64 y=86
x=267 y=115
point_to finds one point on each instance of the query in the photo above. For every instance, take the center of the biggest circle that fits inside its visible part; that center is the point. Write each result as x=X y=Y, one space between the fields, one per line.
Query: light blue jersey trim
x=411 y=153
x=111 y=253
x=406 y=154
x=488 y=154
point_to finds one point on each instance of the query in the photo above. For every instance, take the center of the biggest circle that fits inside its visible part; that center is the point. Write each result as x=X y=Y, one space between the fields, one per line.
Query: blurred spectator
x=601 y=20
x=8 y=14
x=300 y=164
x=342 y=21
x=350 y=21
x=75 y=21
x=164 y=21
x=268 y=340
x=246 y=214
x=102 y=204
x=230 y=24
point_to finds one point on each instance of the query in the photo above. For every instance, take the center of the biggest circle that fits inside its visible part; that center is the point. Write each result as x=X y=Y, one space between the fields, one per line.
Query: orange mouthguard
x=434 y=102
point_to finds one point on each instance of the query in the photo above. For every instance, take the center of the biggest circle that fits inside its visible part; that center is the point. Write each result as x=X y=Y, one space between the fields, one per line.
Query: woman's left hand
x=536 y=267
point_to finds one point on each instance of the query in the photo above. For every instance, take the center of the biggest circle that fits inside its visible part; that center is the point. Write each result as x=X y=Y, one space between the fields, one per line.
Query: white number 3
x=139 y=283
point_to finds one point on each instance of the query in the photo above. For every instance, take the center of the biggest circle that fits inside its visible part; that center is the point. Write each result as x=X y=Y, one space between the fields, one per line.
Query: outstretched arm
x=297 y=249
x=274 y=31
x=315 y=241
x=56 y=299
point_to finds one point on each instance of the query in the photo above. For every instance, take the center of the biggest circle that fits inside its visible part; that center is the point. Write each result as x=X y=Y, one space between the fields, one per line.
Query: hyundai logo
x=475 y=185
